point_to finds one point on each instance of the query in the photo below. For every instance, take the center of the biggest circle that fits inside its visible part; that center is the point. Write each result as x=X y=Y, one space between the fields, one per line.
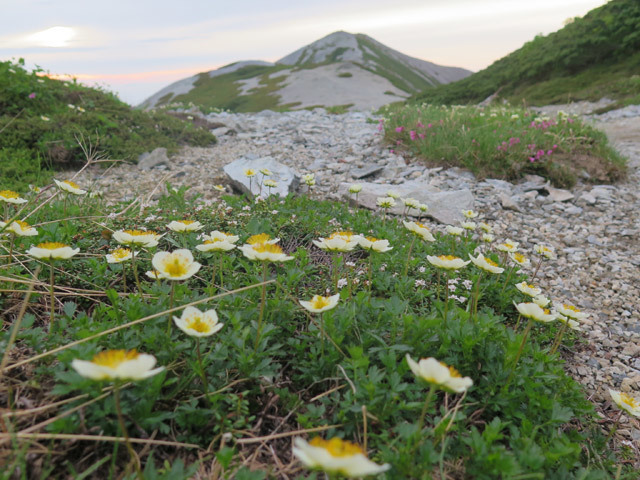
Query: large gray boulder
x=444 y=206
x=286 y=178
x=147 y=161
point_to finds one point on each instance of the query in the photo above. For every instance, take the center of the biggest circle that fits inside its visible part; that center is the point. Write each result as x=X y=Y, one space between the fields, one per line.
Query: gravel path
x=595 y=234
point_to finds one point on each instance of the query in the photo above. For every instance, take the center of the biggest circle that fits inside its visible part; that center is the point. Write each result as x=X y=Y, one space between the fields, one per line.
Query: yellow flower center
x=337 y=447
x=448 y=257
x=491 y=262
x=507 y=245
x=372 y=239
x=121 y=253
x=198 y=325
x=250 y=172
x=518 y=257
x=422 y=225
x=546 y=311
x=113 y=358
x=175 y=267
x=528 y=285
x=260 y=238
x=71 y=184
x=186 y=222
x=9 y=194
x=23 y=225
x=139 y=233
x=213 y=240
x=629 y=400
x=572 y=308
x=318 y=301
x=268 y=248
x=51 y=245
x=346 y=235
x=452 y=371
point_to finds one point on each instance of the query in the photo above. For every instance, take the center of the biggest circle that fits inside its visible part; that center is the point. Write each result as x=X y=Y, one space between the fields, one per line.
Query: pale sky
x=136 y=47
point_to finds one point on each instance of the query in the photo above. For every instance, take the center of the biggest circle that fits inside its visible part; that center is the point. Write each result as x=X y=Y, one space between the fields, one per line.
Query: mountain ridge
x=349 y=71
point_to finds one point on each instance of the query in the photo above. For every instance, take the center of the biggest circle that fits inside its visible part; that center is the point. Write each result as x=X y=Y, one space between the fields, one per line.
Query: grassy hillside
x=591 y=57
x=42 y=121
x=223 y=91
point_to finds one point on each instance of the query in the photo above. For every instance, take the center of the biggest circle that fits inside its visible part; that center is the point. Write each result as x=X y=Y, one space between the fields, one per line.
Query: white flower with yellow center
x=176 y=265
x=420 y=230
x=259 y=238
x=374 y=244
x=319 y=304
x=338 y=242
x=143 y=238
x=468 y=225
x=52 y=251
x=69 y=187
x=485 y=227
x=119 y=255
x=153 y=274
x=508 y=246
x=385 y=202
x=219 y=188
x=626 y=402
x=545 y=251
x=270 y=183
x=541 y=300
x=572 y=324
x=447 y=262
x=411 y=203
x=570 y=311
x=22 y=229
x=469 y=214
x=249 y=172
x=44 y=118
x=487 y=238
x=355 y=188
x=393 y=194
x=117 y=365
x=309 y=179
x=519 y=259
x=455 y=231
x=183 y=226
x=535 y=312
x=439 y=374
x=198 y=324
x=9 y=196
x=528 y=289
x=423 y=207
x=266 y=172
x=265 y=252
x=336 y=456
x=35 y=189
x=217 y=244
x=486 y=264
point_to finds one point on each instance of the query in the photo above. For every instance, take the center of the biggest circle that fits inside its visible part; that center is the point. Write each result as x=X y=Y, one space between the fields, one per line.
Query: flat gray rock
x=444 y=206
x=147 y=161
x=286 y=178
x=364 y=172
x=558 y=194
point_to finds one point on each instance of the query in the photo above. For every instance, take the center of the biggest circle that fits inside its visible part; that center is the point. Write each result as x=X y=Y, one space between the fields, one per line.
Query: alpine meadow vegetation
x=264 y=342
x=48 y=125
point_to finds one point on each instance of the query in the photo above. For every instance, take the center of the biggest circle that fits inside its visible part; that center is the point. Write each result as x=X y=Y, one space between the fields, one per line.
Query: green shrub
x=504 y=142
x=45 y=121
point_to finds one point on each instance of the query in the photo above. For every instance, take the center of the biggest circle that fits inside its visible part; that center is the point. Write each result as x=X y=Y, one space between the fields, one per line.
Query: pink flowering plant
x=503 y=142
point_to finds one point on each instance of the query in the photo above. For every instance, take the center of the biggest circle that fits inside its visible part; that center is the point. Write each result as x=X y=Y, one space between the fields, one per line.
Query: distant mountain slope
x=341 y=69
x=590 y=57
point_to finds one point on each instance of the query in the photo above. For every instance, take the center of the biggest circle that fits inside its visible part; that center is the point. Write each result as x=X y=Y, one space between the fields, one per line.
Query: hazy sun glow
x=53 y=37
